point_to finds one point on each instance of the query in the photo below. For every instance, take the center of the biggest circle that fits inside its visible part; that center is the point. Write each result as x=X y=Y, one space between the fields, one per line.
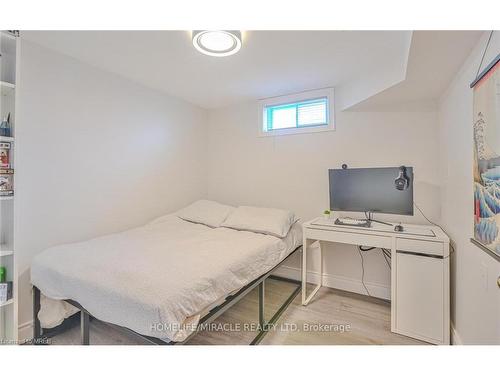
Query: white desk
x=420 y=279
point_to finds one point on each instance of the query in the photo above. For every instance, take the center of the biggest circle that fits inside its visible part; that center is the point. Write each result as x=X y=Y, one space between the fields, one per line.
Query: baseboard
x=25 y=331
x=338 y=282
x=455 y=337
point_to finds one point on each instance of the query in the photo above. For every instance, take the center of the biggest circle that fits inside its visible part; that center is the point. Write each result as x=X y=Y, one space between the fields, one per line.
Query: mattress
x=158 y=279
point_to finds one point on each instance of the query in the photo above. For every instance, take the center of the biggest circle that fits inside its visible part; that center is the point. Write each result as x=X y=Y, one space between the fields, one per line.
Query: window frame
x=295 y=98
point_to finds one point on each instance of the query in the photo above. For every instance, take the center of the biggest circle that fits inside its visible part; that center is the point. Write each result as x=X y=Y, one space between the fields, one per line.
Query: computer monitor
x=370 y=190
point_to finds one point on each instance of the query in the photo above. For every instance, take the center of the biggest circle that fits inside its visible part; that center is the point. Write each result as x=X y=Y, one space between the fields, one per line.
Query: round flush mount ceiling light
x=217 y=42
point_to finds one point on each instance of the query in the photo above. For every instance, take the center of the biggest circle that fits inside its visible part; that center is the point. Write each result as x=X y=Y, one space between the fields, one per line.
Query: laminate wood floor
x=333 y=317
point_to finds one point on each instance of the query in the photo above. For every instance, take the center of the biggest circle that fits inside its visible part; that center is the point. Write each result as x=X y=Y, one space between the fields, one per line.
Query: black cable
x=385 y=257
x=386 y=253
x=363 y=271
x=437 y=225
x=366 y=248
x=426 y=218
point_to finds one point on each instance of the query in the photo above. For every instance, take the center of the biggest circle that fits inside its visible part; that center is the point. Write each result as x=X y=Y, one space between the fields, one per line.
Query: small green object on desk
x=3 y=274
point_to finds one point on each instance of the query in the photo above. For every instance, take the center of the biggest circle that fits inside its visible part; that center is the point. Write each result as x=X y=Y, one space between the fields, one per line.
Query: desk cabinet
x=420 y=289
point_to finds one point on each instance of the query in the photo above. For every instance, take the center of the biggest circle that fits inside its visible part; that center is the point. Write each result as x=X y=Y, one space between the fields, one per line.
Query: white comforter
x=158 y=279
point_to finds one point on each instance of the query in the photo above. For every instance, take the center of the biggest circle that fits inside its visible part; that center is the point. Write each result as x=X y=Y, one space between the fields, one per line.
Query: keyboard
x=353 y=222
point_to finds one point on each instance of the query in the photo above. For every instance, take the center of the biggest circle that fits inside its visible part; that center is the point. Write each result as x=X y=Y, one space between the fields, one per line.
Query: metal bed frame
x=263 y=327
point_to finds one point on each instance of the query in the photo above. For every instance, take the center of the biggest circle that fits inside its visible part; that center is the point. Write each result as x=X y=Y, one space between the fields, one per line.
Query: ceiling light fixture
x=217 y=42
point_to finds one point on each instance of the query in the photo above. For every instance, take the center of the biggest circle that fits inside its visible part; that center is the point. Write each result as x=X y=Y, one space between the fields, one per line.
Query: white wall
x=96 y=154
x=475 y=296
x=292 y=172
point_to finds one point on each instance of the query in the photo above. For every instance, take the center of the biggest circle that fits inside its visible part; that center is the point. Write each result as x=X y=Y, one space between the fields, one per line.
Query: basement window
x=306 y=112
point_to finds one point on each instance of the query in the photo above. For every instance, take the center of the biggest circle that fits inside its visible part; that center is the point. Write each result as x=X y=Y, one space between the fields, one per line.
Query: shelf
x=6 y=139
x=8 y=35
x=6 y=253
x=8 y=198
x=7 y=89
x=10 y=301
x=7 y=85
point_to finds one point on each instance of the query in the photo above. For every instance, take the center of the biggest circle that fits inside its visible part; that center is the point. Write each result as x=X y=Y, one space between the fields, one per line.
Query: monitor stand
x=369 y=217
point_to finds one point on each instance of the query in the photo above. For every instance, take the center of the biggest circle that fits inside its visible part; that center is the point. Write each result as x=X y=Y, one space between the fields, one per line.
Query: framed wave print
x=486 y=123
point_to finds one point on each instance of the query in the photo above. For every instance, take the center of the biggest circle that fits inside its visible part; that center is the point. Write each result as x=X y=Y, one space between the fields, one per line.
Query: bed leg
x=262 y=320
x=84 y=327
x=301 y=260
x=37 y=330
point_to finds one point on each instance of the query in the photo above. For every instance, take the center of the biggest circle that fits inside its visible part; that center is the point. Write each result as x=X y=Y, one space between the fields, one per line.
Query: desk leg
x=304 y=270
x=394 y=266
x=306 y=299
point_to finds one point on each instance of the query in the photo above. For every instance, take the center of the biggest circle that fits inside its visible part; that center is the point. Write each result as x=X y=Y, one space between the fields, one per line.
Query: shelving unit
x=6 y=253
x=9 y=308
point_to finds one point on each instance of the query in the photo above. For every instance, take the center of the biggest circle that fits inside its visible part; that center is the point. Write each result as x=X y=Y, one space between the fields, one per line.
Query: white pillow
x=206 y=212
x=271 y=221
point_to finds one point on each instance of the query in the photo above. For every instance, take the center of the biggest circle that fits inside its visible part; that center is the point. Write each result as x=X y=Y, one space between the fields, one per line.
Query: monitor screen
x=370 y=190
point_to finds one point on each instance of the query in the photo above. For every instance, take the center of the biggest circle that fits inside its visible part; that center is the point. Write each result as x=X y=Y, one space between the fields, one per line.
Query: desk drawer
x=362 y=239
x=419 y=246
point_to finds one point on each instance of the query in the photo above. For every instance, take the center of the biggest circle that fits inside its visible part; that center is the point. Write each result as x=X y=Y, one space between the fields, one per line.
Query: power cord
x=437 y=225
x=366 y=248
x=386 y=253
x=363 y=270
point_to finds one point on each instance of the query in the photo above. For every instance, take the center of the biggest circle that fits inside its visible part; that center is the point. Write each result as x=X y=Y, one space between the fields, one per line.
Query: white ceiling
x=434 y=59
x=273 y=63
x=270 y=63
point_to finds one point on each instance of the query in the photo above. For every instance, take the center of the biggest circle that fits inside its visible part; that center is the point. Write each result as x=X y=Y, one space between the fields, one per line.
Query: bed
x=162 y=279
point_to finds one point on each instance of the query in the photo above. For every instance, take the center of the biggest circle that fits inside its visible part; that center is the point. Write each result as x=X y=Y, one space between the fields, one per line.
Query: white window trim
x=306 y=95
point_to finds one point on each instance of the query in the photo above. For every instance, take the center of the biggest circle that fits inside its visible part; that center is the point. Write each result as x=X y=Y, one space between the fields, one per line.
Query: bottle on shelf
x=5 y=130
x=5 y=286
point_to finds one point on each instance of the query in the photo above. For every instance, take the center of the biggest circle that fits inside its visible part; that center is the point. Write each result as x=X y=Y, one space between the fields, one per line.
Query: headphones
x=402 y=182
